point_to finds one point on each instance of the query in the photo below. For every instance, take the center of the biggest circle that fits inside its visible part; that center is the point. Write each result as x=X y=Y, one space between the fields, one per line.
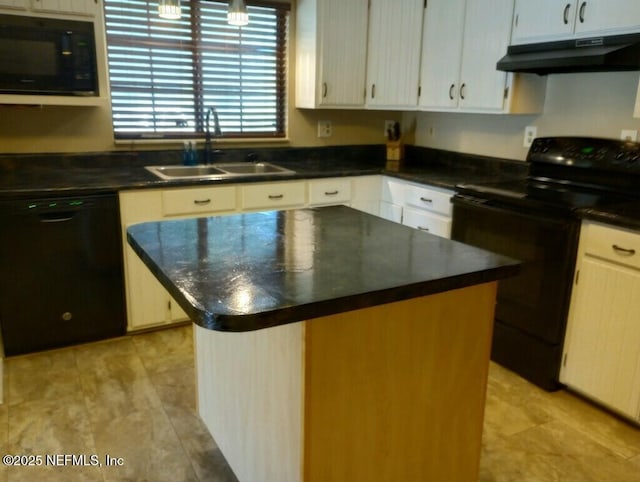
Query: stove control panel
x=587 y=152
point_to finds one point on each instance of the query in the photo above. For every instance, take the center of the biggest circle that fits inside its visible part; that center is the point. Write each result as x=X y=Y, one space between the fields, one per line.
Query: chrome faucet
x=207 y=137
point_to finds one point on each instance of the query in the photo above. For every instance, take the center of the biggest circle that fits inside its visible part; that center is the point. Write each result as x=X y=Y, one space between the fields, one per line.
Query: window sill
x=199 y=142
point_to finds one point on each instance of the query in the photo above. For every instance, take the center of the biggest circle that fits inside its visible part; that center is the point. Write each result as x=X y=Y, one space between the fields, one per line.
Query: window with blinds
x=166 y=74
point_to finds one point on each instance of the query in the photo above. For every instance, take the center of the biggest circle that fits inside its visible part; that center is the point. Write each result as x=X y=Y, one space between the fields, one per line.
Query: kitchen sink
x=218 y=171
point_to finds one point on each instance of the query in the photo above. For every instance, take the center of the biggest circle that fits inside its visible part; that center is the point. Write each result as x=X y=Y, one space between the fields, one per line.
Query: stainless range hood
x=596 y=54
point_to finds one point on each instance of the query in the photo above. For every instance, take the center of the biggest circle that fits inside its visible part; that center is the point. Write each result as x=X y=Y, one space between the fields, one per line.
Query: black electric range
x=537 y=220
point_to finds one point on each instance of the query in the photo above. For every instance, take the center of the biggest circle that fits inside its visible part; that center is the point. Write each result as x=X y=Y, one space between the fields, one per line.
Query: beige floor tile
x=46 y=375
x=617 y=434
x=176 y=387
x=553 y=452
x=47 y=428
x=148 y=445
x=112 y=397
x=166 y=349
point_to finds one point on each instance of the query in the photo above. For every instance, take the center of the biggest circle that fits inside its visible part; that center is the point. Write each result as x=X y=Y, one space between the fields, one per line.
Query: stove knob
x=619 y=157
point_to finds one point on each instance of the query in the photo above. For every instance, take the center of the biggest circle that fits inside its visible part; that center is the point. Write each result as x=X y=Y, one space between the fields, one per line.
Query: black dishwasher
x=61 y=279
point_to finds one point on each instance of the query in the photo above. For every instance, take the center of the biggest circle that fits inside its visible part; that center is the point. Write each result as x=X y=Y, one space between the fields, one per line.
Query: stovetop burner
x=566 y=174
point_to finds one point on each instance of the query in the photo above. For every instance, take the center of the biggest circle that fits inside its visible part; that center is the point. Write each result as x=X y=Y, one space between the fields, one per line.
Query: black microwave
x=45 y=56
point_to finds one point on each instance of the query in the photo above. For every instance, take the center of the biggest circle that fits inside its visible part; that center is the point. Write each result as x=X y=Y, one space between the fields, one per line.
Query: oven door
x=532 y=307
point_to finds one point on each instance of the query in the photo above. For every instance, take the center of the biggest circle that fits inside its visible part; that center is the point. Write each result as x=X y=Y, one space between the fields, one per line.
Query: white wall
x=599 y=105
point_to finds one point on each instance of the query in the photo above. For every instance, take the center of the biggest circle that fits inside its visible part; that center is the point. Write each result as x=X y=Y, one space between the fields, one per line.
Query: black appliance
x=537 y=221
x=47 y=56
x=594 y=54
x=61 y=276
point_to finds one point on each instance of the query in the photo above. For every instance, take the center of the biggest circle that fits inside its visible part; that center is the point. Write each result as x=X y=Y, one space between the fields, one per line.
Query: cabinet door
x=390 y=211
x=543 y=20
x=366 y=194
x=602 y=358
x=487 y=30
x=606 y=17
x=393 y=54
x=343 y=52
x=441 y=48
x=17 y=4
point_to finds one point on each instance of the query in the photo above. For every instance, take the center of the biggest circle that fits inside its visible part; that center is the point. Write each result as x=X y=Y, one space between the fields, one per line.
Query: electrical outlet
x=324 y=128
x=629 y=135
x=530 y=133
x=388 y=126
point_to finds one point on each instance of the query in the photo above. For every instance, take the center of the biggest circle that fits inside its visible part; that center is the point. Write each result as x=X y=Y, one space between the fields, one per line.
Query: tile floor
x=133 y=399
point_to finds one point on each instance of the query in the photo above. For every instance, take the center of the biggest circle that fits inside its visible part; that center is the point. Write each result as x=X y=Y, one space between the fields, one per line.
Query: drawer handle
x=201 y=202
x=422 y=228
x=425 y=199
x=628 y=252
x=331 y=193
x=276 y=196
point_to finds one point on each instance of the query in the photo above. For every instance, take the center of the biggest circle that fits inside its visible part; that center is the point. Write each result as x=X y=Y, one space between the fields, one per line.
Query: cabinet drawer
x=329 y=191
x=614 y=244
x=428 y=222
x=273 y=195
x=198 y=200
x=427 y=198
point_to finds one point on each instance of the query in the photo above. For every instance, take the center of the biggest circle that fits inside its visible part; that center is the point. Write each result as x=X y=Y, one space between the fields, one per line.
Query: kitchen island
x=332 y=345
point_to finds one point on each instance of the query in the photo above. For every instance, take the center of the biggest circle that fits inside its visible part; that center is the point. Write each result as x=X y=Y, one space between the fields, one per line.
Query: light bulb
x=169 y=9
x=237 y=14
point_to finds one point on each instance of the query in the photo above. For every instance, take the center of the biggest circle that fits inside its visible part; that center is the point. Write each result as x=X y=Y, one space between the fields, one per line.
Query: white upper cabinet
x=441 y=52
x=75 y=7
x=462 y=42
x=331 y=53
x=607 y=17
x=543 y=20
x=17 y=4
x=393 y=53
x=487 y=29
x=549 y=20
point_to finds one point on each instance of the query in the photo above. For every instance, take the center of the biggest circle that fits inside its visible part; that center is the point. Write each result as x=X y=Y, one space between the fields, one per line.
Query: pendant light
x=169 y=9
x=237 y=13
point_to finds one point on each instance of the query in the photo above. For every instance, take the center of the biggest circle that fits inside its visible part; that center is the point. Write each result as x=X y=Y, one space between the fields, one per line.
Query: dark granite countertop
x=625 y=215
x=251 y=271
x=48 y=175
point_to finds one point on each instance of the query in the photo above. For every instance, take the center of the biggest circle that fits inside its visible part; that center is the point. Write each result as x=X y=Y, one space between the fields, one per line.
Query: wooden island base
x=390 y=393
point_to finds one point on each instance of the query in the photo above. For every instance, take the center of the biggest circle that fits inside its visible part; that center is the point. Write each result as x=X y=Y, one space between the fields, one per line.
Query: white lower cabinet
x=601 y=356
x=365 y=194
x=148 y=303
x=415 y=205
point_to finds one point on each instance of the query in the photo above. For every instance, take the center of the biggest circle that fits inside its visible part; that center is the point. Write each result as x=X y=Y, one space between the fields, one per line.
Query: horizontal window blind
x=165 y=74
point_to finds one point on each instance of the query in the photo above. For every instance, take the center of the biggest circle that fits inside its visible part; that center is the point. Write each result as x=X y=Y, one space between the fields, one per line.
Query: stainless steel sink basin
x=252 y=168
x=218 y=171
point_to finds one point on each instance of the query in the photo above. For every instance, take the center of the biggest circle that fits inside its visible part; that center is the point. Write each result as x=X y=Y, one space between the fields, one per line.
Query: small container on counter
x=395 y=149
